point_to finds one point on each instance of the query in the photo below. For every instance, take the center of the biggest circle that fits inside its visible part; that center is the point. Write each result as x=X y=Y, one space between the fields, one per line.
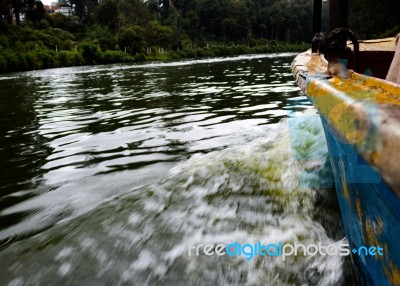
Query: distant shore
x=47 y=51
x=39 y=58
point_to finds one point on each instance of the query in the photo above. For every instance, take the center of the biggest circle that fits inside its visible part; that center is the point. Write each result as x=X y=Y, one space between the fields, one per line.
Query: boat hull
x=370 y=212
x=361 y=119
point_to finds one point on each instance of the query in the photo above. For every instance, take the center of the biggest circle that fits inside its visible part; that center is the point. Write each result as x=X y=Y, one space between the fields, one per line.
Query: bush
x=3 y=64
x=90 y=53
x=173 y=55
x=220 y=51
x=110 y=57
x=241 y=49
x=204 y=53
x=46 y=58
x=63 y=59
x=132 y=38
x=12 y=60
x=103 y=37
x=69 y=58
x=187 y=54
x=73 y=25
x=30 y=60
x=3 y=42
x=140 y=57
x=43 y=24
x=79 y=61
x=67 y=45
x=251 y=41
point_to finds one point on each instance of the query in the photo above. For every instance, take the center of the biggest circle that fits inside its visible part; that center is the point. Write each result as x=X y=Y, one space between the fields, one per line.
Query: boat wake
x=269 y=190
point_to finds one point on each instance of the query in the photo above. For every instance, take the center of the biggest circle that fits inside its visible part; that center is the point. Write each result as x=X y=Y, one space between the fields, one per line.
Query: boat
x=360 y=113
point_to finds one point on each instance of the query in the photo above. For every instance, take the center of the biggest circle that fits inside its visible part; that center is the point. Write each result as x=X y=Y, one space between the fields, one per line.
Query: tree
x=159 y=35
x=34 y=11
x=17 y=8
x=5 y=11
x=84 y=8
x=106 y=14
x=39 y=11
x=370 y=19
x=132 y=38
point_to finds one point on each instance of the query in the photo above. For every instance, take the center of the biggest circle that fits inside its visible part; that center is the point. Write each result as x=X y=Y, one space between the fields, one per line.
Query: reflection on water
x=126 y=166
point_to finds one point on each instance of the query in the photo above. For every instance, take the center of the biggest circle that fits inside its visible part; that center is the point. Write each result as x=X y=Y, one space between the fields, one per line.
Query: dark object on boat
x=334 y=47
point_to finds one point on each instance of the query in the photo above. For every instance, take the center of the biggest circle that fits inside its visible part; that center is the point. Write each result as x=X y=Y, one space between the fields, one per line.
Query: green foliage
x=12 y=60
x=58 y=20
x=204 y=53
x=69 y=58
x=46 y=58
x=134 y=12
x=31 y=61
x=187 y=54
x=159 y=35
x=101 y=36
x=3 y=42
x=84 y=9
x=391 y=32
x=67 y=45
x=371 y=19
x=34 y=11
x=139 y=57
x=106 y=14
x=109 y=57
x=101 y=31
x=132 y=38
x=90 y=53
x=67 y=23
x=3 y=63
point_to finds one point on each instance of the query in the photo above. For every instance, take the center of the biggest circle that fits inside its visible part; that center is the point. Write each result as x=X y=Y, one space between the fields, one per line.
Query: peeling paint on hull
x=370 y=212
x=361 y=119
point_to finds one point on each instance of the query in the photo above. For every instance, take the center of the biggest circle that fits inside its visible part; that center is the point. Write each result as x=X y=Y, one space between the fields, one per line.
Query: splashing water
x=245 y=193
x=111 y=173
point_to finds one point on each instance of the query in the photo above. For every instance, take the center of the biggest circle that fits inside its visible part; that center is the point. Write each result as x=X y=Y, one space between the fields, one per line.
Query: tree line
x=101 y=31
x=168 y=23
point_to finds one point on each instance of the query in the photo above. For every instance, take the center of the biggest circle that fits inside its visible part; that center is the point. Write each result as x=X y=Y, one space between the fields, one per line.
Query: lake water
x=109 y=174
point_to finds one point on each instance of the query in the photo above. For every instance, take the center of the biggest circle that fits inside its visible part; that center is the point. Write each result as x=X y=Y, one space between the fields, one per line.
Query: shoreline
x=41 y=59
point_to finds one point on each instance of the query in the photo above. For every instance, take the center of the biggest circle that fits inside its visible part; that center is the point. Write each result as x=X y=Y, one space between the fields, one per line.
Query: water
x=110 y=173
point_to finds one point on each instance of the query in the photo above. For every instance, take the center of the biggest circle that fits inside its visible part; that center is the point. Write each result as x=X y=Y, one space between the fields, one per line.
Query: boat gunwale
x=327 y=92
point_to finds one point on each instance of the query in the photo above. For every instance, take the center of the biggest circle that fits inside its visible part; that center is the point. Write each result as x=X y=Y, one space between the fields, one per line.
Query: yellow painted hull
x=361 y=119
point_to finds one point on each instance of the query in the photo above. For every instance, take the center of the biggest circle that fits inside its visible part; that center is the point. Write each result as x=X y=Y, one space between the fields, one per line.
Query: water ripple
x=69 y=130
